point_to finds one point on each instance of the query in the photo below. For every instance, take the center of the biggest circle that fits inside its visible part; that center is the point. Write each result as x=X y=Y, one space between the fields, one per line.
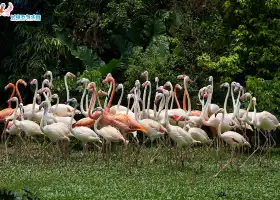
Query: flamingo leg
x=225 y=166
x=6 y=147
x=270 y=146
x=266 y=140
x=258 y=147
x=4 y=131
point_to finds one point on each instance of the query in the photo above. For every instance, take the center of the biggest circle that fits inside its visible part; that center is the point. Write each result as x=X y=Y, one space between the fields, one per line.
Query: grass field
x=90 y=177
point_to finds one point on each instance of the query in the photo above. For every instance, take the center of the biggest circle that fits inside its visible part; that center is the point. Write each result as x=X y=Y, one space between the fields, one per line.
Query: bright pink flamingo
x=121 y=121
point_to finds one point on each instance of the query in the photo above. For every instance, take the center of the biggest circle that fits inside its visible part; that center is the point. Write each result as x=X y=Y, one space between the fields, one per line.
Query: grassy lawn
x=90 y=177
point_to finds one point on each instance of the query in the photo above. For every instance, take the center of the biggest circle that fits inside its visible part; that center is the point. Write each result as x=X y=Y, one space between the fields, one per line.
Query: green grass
x=90 y=177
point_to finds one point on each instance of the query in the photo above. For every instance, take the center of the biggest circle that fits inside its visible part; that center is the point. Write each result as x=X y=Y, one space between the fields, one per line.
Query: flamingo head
x=120 y=86
x=69 y=74
x=187 y=79
x=47 y=74
x=244 y=96
x=54 y=96
x=178 y=86
x=34 y=81
x=45 y=89
x=237 y=87
x=210 y=78
x=9 y=86
x=44 y=105
x=97 y=109
x=102 y=93
x=145 y=73
x=146 y=83
x=12 y=99
x=3 y=6
x=226 y=84
x=129 y=96
x=254 y=100
x=156 y=79
x=22 y=82
x=109 y=78
x=137 y=84
x=38 y=97
x=73 y=100
x=182 y=76
x=91 y=86
x=158 y=97
x=167 y=84
x=221 y=110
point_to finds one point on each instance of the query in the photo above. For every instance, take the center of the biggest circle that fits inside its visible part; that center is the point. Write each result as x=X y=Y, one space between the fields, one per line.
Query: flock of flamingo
x=105 y=124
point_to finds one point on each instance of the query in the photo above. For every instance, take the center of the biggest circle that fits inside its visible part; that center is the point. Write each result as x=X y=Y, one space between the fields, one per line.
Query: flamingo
x=109 y=133
x=49 y=74
x=234 y=139
x=63 y=109
x=213 y=108
x=154 y=128
x=8 y=111
x=85 y=82
x=176 y=133
x=29 y=127
x=122 y=121
x=55 y=131
x=30 y=109
x=119 y=108
x=82 y=133
x=265 y=121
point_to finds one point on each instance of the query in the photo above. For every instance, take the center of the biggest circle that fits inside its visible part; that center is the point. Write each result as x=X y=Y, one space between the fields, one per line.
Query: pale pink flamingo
x=234 y=139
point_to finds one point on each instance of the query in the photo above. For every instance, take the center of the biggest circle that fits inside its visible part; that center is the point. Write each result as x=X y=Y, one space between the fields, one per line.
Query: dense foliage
x=229 y=39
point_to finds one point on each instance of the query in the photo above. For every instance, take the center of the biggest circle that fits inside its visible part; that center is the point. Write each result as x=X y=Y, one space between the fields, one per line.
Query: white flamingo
x=82 y=133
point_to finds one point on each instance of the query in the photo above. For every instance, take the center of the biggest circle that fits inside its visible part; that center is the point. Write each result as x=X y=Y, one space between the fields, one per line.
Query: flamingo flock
x=105 y=124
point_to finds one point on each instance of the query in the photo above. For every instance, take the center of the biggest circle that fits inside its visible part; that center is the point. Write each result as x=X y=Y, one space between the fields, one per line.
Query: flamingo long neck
x=188 y=97
x=57 y=102
x=87 y=96
x=176 y=98
x=113 y=93
x=42 y=123
x=205 y=108
x=34 y=98
x=184 y=101
x=225 y=102
x=149 y=99
x=144 y=102
x=128 y=104
x=109 y=93
x=66 y=87
x=220 y=126
x=232 y=96
x=15 y=114
x=166 y=121
x=161 y=106
x=92 y=103
x=13 y=93
x=172 y=96
x=82 y=102
x=72 y=118
x=97 y=122
x=236 y=107
x=136 y=103
x=17 y=91
x=51 y=79
x=120 y=99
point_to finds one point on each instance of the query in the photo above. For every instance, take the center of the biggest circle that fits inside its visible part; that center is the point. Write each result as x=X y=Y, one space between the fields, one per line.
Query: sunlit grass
x=91 y=177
